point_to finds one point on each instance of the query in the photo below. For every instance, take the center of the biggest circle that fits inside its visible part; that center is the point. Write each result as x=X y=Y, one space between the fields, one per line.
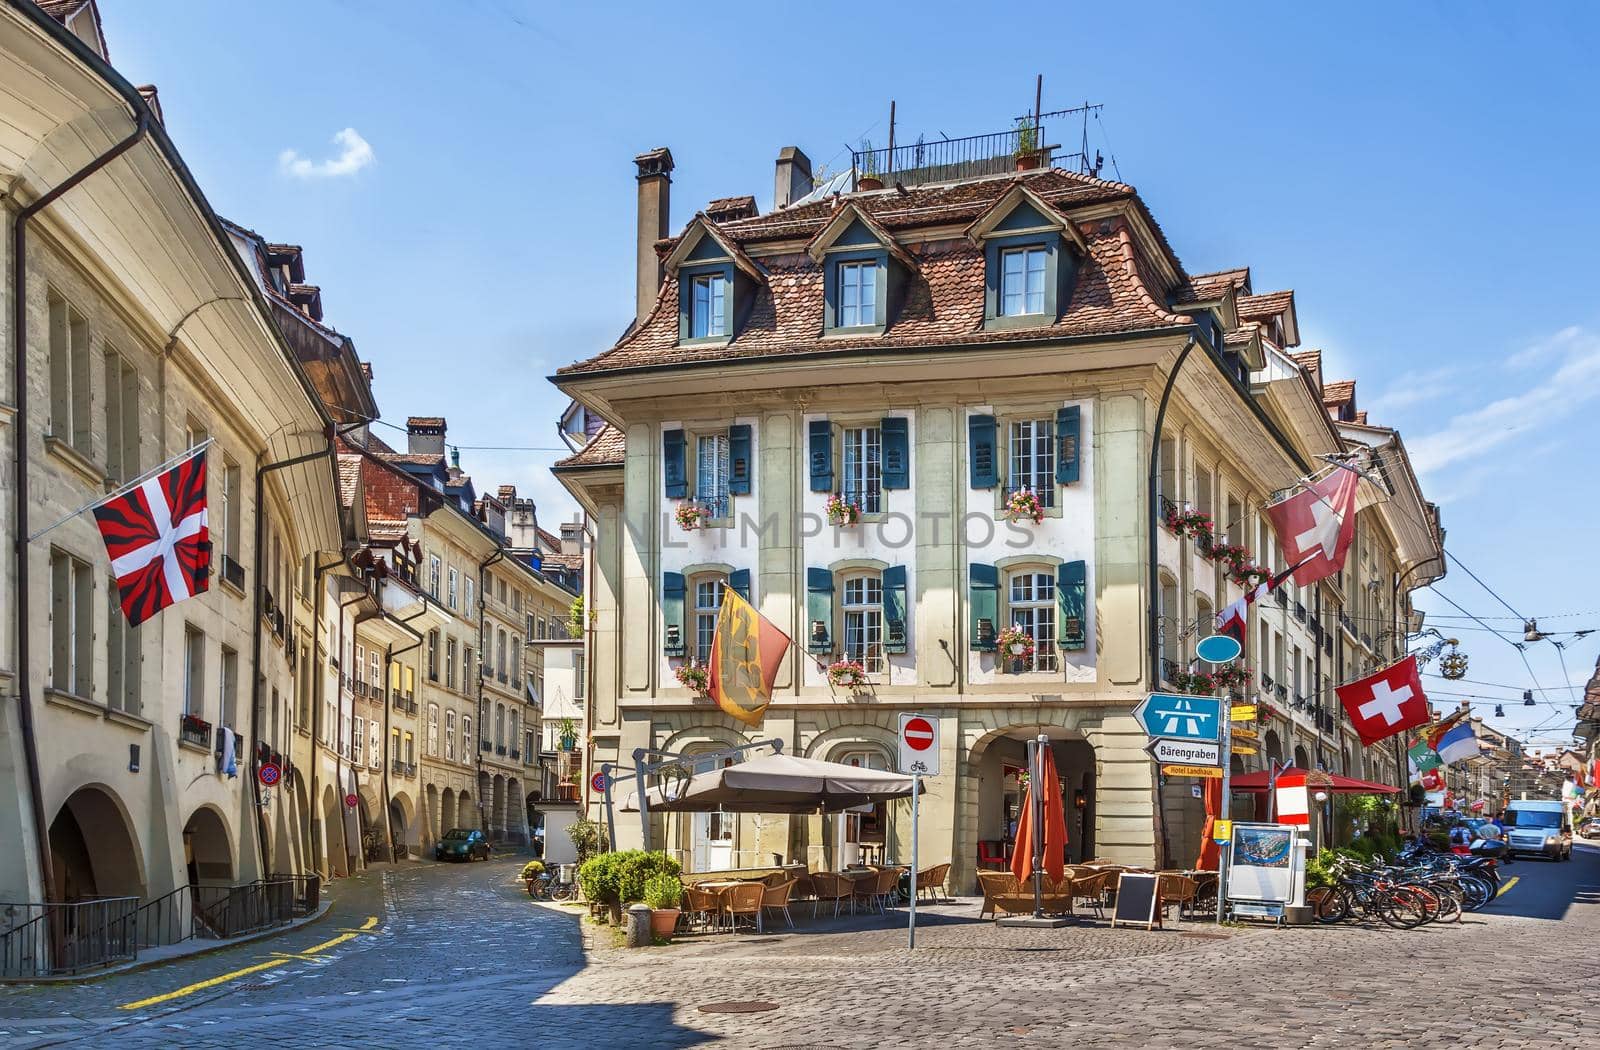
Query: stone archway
x=516 y=812
x=94 y=847
x=994 y=761
x=496 y=800
x=447 y=814
x=430 y=815
x=1274 y=748
x=402 y=826
x=467 y=815
x=308 y=857
x=208 y=849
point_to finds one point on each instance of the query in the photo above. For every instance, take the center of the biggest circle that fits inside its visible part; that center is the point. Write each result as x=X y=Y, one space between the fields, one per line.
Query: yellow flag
x=745 y=656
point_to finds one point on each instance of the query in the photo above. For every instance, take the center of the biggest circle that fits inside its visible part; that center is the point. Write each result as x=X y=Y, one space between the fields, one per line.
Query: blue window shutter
x=893 y=432
x=742 y=467
x=673 y=464
x=672 y=640
x=982 y=452
x=984 y=604
x=1072 y=599
x=739 y=580
x=894 y=609
x=819 y=609
x=821 y=448
x=1067 y=444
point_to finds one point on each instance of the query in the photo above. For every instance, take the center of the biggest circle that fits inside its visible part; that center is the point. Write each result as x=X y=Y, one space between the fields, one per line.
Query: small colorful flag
x=1387 y=702
x=745 y=655
x=1457 y=744
x=1421 y=758
x=1316 y=525
x=155 y=533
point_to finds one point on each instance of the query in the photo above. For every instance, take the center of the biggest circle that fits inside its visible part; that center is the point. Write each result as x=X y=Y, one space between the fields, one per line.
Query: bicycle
x=546 y=887
x=1374 y=893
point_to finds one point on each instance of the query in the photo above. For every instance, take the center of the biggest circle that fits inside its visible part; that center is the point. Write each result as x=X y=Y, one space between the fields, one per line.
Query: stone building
x=921 y=353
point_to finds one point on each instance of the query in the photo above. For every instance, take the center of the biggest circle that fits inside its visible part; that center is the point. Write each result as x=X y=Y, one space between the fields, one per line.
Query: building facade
x=832 y=408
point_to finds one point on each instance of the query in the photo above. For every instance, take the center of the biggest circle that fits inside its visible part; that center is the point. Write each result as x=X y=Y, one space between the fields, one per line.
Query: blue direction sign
x=1181 y=717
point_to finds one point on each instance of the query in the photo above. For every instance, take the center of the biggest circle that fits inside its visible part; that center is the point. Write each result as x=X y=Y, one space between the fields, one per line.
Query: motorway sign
x=1180 y=716
x=1211 y=772
x=919 y=745
x=1185 y=752
x=1242 y=712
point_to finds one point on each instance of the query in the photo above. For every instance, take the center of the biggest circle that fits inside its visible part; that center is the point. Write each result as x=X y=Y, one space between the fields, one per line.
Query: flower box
x=1015 y=643
x=1184 y=522
x=1024 y=503
x=843 y=512
x=693 y=676
x=691 y=516
x=847 y=673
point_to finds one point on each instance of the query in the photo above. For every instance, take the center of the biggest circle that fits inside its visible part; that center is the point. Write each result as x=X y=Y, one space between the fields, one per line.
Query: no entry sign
x=919 y=745
x=269 y=774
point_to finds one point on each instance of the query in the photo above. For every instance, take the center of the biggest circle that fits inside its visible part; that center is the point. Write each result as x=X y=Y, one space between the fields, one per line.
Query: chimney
x=425 y=435
x=793 y=178
x=571 y=538
x=655 y=198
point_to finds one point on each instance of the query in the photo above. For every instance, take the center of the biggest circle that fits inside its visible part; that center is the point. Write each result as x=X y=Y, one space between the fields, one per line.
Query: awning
x=774 y=784
x=1316 y=780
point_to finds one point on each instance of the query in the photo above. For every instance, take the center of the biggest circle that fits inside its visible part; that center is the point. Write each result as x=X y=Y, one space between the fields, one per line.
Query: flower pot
x=663 y=921
x=1027 y=161
x=569 y=743
x=869 y=182
x=1017 y=648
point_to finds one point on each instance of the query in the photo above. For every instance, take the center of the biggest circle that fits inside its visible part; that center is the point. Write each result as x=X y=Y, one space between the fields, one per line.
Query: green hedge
x=619 y=877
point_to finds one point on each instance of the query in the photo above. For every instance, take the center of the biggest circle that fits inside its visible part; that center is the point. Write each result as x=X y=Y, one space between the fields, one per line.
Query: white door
x=713 y=841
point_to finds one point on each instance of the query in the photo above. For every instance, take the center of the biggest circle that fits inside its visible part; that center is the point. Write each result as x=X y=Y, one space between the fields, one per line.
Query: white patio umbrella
x=774 y=784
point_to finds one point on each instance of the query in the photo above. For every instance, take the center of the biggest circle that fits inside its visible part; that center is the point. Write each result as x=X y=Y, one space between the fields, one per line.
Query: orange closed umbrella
x=1209 y=851
x=1046 y=788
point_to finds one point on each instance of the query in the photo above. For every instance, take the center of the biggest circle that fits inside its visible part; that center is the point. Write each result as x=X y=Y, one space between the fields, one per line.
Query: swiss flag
x=1316 y=526
x=156 y=536
x=1386 y=703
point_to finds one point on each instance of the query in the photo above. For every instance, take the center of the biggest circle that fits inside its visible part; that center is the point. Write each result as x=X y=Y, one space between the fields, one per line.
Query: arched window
x=1031 y=605
x=862 y=607
x=466 y=738
x=1171 y=624
x=1301 y=759
x=1205 y=619
x=500 y=652
x=516 y=658
x=707 y=606
x=1274 y=747
x=511 y=729
x=433 y=729
x=450 y=736
x=500 y=725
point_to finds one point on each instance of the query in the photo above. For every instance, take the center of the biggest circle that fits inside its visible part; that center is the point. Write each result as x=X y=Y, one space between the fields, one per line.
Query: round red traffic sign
x=269 y=774
x=351 y=800
x=918 y=733
x=597 y=783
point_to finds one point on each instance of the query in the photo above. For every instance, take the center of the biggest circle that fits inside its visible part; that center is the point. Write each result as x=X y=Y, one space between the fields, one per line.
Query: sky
x=460 y=175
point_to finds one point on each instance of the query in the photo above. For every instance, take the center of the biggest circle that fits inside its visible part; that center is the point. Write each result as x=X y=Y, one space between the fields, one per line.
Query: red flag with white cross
x=1386 y=703
x=155 y=532
x=1317 y=524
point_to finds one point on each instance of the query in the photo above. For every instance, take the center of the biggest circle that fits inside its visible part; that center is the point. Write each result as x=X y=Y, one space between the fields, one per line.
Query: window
x=122 y=655
x=71 y=625
x=228 y=687
x=863 y=622
x=1032 y=605
x=450 y=736
x=433 y=576
x=411 y=682
x=231 y=508
x=712 y=473
x=122 y=418
x=863 y=468
x=516 y=658
x=194 y=672
x=707 y=607
x=411 y=749
x=1022 y=281
x=394 y=746
x=374 y=679
x=433 y=656
x=500 y=652
x=357 y=669
x=516 y=601
x=511 y=728
x=69 y=376
x=433 y=729
x=466 y=667
x=450 y=664
x=1033 y=459
x=466 y=738
x=374 y=744
x=539 y=631
x=707 y=306
x=450 y=594
x=356 y=738
x=858 y=294
x=579 y=681
x=500 y=725
x=468 y=603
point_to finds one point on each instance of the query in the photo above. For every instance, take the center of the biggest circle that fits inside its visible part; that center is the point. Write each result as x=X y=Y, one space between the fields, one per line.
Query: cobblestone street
x=519 y=975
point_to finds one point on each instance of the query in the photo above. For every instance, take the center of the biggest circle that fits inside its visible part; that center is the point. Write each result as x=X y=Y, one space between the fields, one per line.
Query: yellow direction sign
x=1243 y=749
x=1240 y=733
x=1214 y=772
x=1242 y=712
x=1221 y=830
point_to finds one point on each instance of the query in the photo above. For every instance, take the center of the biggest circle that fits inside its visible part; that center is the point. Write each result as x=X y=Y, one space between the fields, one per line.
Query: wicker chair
x=702 y=907
x=995 y=884
x=1091 y=890
x=776 y=898
x=1177 y=889
x=826 y=886
x=745 y=900
x=931 y=882
x=865 y=890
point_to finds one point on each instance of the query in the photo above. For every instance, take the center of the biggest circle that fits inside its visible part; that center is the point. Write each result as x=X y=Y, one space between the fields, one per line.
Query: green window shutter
x=984 y=604
x=819 y=610
x=981 y=452
x=739 y=580
x=672 y=640
x=821 y=448
x=894 y=435
x=894 y=609
x=673 y=465
x=1067 y=444
x=1072 y=599
x=743 y=468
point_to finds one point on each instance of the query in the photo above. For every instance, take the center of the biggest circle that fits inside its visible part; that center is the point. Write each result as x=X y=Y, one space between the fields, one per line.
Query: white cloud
x=1410 y=389
x=1536 y=352
x=354 y=154
x=1559 y=394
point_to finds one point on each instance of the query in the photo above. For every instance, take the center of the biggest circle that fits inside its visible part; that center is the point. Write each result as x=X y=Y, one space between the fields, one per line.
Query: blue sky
x=1420 y=174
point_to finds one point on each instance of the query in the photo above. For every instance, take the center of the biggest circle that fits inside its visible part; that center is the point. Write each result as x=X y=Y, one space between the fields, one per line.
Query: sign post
x=919 y=756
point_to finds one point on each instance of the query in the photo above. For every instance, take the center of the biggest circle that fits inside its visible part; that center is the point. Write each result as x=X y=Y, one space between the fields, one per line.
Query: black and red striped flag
x=155 y=533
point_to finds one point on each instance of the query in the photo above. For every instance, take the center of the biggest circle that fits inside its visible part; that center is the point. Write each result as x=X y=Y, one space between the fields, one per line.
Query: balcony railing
x=232 y=572
x=1282 y=691
x=1300 y=611
x=484 y=745
x=952 y=160
x=1266 y=682
x=516 y=754
x=1170 y=670
x=500 y=749
x=192 y=729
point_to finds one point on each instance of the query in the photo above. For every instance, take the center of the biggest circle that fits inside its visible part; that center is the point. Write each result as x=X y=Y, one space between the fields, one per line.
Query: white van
x=1539 y=826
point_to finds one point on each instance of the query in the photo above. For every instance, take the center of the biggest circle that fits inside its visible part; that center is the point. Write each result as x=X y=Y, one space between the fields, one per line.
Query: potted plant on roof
x=1027 y=156
x=663 y=893
x=567 y=729
x=868 y=178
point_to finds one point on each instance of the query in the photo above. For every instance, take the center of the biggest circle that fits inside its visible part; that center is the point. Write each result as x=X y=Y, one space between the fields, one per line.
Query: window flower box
x=691 y=516
x=1016 y=643
x=843 y=512
x=1024 y=503
x=848 y=674
x=693 y=676
x=1197 y=683
x=1185 y=522
x=1233 y=678
x=194 y=730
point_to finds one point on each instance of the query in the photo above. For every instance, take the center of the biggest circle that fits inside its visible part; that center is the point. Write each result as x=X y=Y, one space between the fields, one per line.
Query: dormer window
x=864 y=273
x=708 y=306
x=1022 y=280
x=858 y=294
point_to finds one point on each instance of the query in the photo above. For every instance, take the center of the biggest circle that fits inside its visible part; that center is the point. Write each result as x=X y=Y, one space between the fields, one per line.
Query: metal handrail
x=57 y=939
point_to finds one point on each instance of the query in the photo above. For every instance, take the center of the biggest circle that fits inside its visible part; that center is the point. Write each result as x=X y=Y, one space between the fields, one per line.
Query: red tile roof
x=729 y=208
x=605 y=448
x=349 y=478
x=1265 y=305
x=1338 y=392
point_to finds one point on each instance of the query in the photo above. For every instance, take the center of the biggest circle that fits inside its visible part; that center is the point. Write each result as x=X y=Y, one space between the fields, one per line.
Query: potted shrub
x=1027 y=156
x=663 y=893
x=843 y=512
x=1024 y=503
x=869 y=179
x=569 y=735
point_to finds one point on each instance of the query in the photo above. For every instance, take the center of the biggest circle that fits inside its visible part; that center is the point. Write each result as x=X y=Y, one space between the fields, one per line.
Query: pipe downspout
x=19 y=426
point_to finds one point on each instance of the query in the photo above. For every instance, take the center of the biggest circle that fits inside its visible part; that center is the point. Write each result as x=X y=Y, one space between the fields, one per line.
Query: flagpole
x=123 y=489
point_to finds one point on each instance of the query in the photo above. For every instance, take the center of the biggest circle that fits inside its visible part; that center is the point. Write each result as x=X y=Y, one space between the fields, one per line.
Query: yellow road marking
x=213 y=982
x=1506 y=885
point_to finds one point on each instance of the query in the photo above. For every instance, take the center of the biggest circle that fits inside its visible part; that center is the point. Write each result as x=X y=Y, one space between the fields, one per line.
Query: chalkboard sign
x=1138 y=903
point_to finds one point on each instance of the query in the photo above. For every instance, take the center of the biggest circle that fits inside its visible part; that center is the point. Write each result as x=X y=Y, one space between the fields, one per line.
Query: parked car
x=1590 y=829
x=462 y=844
x=1539 y=826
